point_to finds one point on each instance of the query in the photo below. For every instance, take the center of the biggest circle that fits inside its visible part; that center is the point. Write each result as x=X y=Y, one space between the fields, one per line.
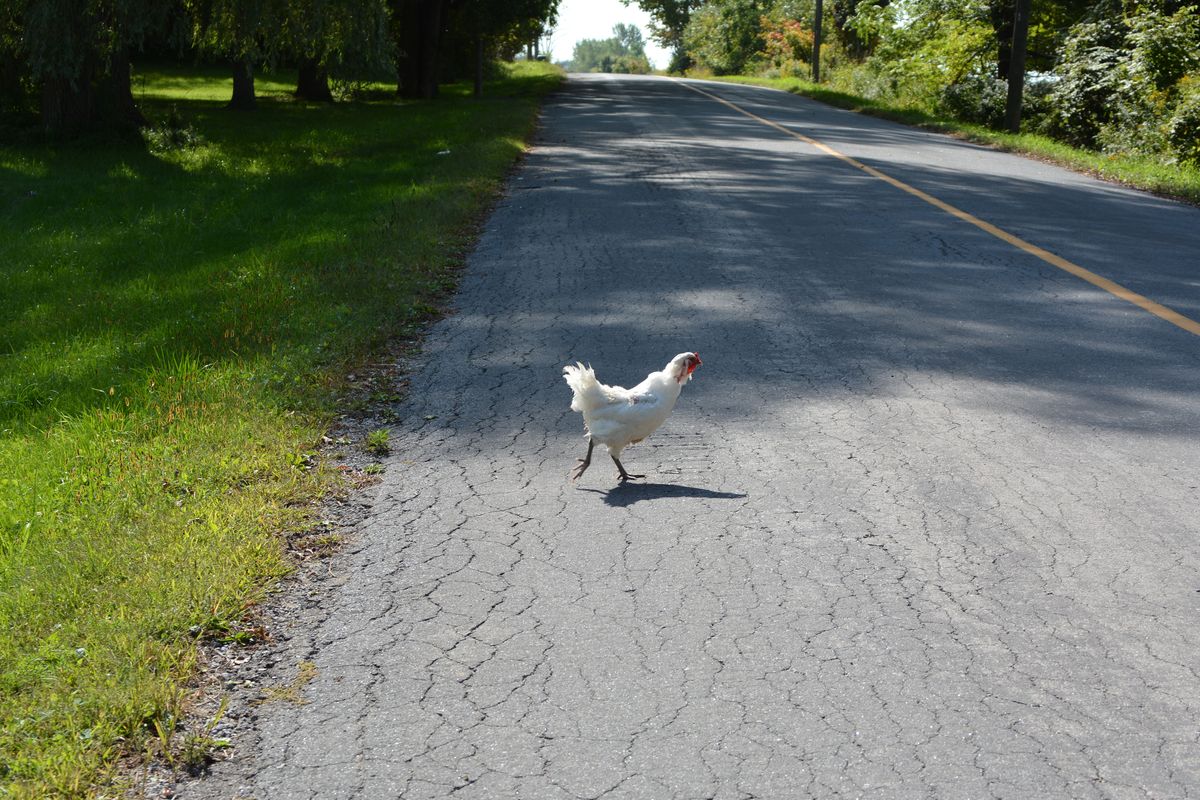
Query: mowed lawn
x=174 y=324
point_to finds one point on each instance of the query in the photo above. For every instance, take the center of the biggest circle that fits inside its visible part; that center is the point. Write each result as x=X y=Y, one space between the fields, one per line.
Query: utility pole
x=817 y=43
x=1016 y=67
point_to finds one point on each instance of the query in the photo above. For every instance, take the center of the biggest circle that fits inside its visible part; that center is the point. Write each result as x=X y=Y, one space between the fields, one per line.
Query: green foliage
x=240 y=30
x=1179 y=180
x=1164 y=47
x=624 y=52
x=937 y=60
x=977 y=98
x=668 y=20
x=377 y=442
x=1123 y=71
x=725 y=36
x=175 y=320
x=16 y=84
x=172 y=133
x=1087 y=80
x=72 y=57
x=1049 y=21
x=857 y=44
x=74 y=54
x=1183 y=128
x=1123 y=84
x=629 y=39
x=348 y=39
x=787 y=46
x=505 y=26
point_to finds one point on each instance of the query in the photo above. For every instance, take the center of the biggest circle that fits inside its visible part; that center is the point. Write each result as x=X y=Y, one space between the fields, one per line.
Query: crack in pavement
x=896 y=541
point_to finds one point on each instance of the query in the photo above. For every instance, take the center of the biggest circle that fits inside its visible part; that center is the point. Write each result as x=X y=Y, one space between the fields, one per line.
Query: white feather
x=618 y=417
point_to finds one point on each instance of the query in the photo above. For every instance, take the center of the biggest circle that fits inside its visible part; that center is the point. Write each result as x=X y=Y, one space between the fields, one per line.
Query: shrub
x=1037 y=106
x=1137 y=114
x=1183 y=128
x=725 y=35
x=1165 y=47
x=377 y=442
x=173 y=133
x=787 y=47
x=1087 y=80
x=977 y=98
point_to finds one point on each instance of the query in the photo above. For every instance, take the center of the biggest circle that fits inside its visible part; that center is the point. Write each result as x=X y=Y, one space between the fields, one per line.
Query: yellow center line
x=1113 y=288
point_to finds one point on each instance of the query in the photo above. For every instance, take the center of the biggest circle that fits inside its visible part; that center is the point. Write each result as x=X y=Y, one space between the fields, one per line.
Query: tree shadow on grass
x=626 y=494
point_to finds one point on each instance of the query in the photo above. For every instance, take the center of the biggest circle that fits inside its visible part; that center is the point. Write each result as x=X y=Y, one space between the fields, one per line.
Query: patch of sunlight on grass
x=209 y=84
x=176 y=323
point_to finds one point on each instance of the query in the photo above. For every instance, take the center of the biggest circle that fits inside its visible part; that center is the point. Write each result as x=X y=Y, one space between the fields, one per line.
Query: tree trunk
x=843 y=11
x=818 y=16
x=406 y=14
x=92 y=100
x=1002 y=13
x=116 y=93
x=243 y=86
x=479 y=66
x=430 y=40
x=67 y=109
x=420 y=23
x=1016 y=77
x=313 y=82
x=69 y=106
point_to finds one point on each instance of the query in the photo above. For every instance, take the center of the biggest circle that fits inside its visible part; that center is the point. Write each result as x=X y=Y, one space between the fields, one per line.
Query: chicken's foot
x=623 y=475
x=584 y=462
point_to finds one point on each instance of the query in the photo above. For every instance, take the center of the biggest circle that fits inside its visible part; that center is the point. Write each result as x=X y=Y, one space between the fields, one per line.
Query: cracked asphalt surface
x=924 y=525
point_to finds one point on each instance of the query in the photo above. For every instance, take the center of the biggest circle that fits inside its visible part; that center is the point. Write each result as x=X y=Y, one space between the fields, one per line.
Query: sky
x=594 y=19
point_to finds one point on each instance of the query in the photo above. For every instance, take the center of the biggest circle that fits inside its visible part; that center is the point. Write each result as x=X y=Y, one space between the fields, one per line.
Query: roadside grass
x=1178 y=181
x=176 y=322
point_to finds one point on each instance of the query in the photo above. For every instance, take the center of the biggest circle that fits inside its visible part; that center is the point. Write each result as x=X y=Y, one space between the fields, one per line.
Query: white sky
x=594 y=19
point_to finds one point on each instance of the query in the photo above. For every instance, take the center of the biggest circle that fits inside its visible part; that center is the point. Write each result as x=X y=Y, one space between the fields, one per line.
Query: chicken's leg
x=584 y=462
x=624 y=476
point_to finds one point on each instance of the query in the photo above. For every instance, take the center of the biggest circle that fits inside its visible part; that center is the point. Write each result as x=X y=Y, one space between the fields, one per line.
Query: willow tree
x=15 y=83
x=77 y=55
x=246 y=32
x=347 y=39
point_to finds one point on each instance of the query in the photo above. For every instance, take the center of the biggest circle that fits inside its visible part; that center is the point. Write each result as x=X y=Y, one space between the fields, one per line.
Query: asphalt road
x=924 y=526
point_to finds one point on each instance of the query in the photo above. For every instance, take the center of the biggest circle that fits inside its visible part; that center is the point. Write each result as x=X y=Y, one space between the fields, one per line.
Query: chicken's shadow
x=626 y=494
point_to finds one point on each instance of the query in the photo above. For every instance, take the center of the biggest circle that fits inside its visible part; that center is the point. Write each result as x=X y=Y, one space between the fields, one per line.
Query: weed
x=173 y=133
x=197 y=749
x=292 y=692
x=377 y=442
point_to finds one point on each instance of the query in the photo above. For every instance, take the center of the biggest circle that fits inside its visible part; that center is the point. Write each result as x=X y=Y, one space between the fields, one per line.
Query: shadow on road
x=804 y=282
x=626 y=494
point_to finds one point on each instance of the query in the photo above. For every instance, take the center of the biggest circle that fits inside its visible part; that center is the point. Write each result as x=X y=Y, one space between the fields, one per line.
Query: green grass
x=1143 y=172
x=175 y=325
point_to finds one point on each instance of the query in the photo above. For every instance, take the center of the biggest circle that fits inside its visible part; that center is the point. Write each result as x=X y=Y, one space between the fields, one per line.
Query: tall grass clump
x=177 y=315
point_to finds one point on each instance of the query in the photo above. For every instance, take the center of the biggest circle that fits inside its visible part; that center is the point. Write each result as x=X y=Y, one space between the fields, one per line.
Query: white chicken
x=618 y=417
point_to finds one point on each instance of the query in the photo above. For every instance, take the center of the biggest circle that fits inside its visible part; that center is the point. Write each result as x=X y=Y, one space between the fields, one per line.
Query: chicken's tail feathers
x=587 y=390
